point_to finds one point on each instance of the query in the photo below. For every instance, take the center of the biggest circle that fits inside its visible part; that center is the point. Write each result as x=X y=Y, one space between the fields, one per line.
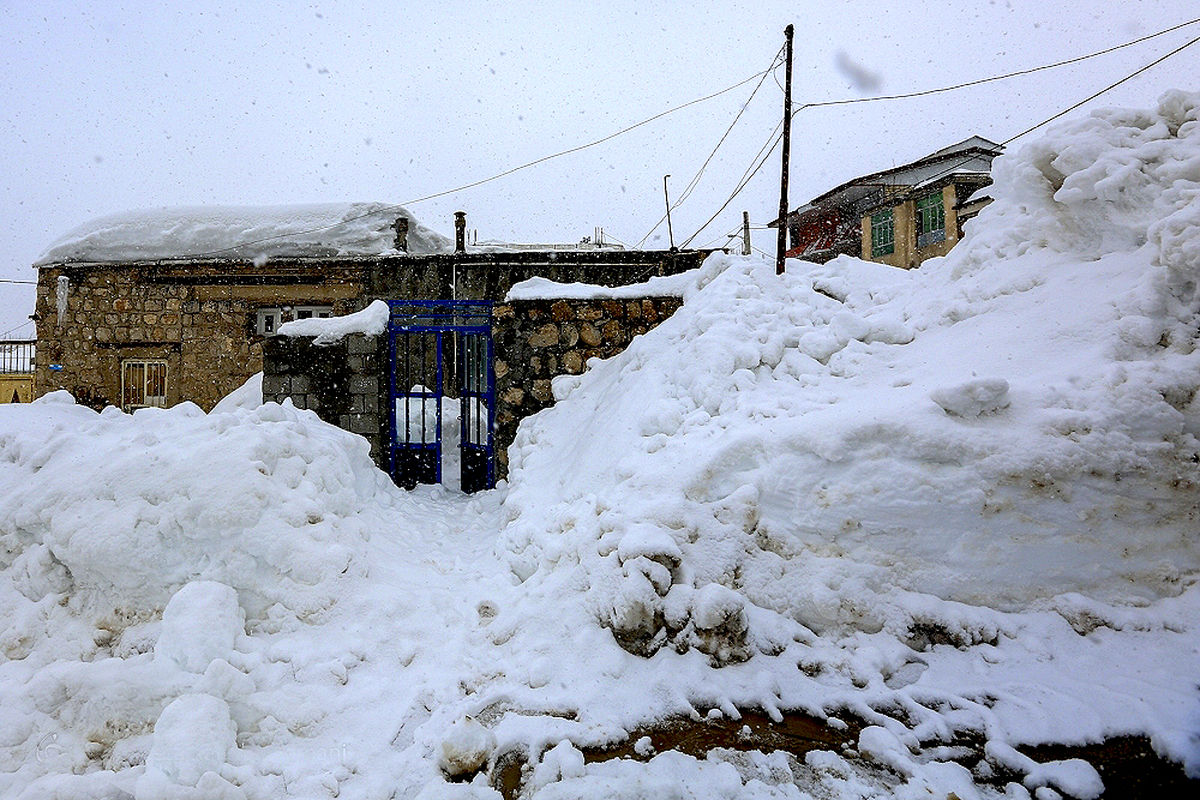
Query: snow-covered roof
x=252 y=232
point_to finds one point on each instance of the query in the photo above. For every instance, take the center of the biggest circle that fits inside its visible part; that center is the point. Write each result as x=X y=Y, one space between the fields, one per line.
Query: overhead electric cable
x=1072 y=107
x=1048 y=120
x=1005 y=76
x=14 y=280
x=687 y=191
x=497 y=176
x=746 y=177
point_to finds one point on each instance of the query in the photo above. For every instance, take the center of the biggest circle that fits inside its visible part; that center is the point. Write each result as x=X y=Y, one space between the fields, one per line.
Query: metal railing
x=17 y=356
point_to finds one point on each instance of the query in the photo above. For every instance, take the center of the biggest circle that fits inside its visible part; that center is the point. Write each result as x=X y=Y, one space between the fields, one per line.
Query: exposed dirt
x=1128 y=765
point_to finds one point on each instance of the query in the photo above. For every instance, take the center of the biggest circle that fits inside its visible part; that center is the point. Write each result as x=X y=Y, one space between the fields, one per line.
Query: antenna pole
x=667 y=198
x=745 y=233
x=781 y=246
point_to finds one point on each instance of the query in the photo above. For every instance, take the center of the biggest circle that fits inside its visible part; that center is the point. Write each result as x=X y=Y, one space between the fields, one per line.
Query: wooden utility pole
x=745 y=233
x=781 y=247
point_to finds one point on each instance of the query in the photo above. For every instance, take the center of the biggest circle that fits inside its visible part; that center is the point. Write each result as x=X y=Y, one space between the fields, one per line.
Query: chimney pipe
x=401 y=226
x=460 y=231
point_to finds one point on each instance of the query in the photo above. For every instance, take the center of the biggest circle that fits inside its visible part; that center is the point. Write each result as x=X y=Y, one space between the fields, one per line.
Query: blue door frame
x=436 y=349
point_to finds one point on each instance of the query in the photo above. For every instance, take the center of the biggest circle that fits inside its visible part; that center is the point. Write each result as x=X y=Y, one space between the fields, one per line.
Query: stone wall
x=198 y=318
x=538 y=340
x=345 y=383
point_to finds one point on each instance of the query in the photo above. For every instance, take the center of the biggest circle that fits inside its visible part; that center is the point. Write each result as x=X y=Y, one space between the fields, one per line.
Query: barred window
x=883 y=233
x=143 y=384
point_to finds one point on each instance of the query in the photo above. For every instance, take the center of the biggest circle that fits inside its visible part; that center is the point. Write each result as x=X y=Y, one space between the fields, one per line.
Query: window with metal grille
x=931 y=220
x=883 y=233
x=143 y=384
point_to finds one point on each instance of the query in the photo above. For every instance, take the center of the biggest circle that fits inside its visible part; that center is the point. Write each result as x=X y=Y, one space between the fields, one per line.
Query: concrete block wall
x=345 y=383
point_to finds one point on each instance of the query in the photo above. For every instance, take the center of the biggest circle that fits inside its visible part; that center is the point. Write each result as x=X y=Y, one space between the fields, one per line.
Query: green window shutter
x=883 y=233
x=931 y=219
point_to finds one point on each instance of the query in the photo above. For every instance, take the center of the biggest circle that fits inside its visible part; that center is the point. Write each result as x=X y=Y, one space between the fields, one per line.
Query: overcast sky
x=110 y=106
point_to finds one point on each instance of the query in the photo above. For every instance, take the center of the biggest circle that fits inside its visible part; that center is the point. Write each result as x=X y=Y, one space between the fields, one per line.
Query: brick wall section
x=346 y=383
x=537 y=340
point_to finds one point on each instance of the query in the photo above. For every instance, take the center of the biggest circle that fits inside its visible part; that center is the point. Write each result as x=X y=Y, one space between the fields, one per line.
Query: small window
x=308 y=312
x=143 y=384
x=268 y=321
x=883 y=233
x=931 y=220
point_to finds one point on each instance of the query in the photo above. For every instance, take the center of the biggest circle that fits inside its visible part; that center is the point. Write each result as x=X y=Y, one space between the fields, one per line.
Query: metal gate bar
x=454 y=331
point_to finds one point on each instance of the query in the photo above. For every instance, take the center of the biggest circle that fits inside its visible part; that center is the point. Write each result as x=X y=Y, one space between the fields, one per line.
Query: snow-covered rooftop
x=253 y=232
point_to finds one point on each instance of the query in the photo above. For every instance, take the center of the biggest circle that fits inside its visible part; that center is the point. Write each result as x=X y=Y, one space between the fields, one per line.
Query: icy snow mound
x=251 y=232
x=1014 y=422
x=121 y=510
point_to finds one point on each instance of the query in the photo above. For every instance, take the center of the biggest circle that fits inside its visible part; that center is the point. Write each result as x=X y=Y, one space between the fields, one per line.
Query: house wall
x=906 y=254
x=18 y=386
x=200 y=319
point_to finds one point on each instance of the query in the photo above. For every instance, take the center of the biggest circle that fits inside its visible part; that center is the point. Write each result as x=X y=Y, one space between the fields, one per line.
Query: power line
x=482 y=181
x=1074 y=106
x=687 y=191
x=12 y=330
x=750 y=172
x=993 y=78
x=742 y=184
x=14 y=280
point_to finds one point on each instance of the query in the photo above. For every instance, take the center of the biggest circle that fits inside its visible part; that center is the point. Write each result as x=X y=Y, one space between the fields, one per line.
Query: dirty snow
x=250 y=232
x=961 y=498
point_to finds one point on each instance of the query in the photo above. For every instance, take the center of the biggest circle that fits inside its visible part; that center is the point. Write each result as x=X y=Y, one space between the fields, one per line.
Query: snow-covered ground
x=962 y=499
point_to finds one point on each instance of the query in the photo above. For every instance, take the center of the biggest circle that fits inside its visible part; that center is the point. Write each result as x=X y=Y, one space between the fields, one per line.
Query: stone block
x=514 y=396
x=274 y=384
x=544 y=336
x=568 y=335
x=358 y=344
x=573 y=362
x=590 y=334
x=561 y=311
x=612 y=331
x=364 y=384
x=301 y=384
x=541 y=390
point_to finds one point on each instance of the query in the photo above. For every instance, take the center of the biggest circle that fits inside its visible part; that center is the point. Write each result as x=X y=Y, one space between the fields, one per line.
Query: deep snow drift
x=958 y=499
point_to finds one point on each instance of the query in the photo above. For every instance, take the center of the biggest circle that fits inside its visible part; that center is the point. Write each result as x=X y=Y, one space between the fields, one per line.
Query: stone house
x=156 y=308
x=900 y=216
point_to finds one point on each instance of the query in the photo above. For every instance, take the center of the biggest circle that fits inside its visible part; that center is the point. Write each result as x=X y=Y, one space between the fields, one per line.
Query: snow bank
x=372 y=321
x=1013 y=422
x=251 y=232
x=121 y=510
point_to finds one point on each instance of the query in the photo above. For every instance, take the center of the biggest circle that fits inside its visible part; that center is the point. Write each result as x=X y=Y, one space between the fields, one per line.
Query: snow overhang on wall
x=243 y=232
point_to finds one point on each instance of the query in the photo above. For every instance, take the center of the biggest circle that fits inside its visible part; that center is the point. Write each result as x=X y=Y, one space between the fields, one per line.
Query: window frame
x=128 y=403
x=883 y=221
x=930 y=227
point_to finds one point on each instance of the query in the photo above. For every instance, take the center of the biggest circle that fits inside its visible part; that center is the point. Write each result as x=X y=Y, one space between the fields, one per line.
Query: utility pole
x=667 y=198
x=781 y=246
x=745 y=233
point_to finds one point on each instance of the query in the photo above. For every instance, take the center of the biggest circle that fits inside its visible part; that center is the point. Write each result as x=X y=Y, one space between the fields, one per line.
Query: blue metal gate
x=437 y=349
